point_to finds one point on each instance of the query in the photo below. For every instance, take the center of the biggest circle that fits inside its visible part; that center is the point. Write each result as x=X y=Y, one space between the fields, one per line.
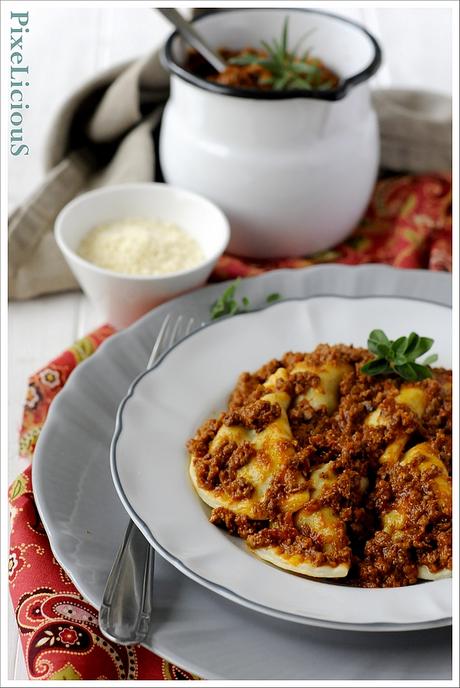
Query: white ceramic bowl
x=123 y=298
x=292 y=170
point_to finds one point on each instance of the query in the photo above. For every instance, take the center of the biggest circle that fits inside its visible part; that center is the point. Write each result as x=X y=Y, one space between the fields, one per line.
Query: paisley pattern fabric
x=408 y=225
x=58 y=629
x=46 y=383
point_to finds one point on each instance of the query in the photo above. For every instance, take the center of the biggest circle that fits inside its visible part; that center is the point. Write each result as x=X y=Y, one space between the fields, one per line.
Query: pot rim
x=332 y=94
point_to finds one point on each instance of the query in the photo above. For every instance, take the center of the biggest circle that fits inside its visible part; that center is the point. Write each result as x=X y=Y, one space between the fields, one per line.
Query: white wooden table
x=86 y=41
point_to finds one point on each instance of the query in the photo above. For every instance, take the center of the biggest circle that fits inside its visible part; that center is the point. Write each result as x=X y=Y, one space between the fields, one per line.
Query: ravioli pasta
x=329 y=473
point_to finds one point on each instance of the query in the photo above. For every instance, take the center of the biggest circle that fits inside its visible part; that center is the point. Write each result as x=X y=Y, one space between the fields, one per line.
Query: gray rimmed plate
x=85 y=520
x=191 y=383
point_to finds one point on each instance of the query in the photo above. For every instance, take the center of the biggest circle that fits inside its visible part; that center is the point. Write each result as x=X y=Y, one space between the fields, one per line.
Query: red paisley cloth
x=408 y=224
x=59 y=631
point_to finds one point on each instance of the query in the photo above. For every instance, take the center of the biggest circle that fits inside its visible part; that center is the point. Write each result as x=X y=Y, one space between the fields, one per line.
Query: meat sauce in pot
x=254 y=75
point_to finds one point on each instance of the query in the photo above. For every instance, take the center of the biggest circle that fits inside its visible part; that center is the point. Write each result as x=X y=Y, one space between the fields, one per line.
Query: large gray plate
x=193 y=627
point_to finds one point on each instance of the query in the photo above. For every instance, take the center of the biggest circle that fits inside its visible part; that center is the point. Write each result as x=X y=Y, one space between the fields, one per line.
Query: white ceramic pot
x=292 y=170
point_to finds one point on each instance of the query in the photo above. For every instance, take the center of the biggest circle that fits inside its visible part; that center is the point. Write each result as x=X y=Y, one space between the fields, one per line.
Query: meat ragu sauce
x=253 y=75
x=379 y=553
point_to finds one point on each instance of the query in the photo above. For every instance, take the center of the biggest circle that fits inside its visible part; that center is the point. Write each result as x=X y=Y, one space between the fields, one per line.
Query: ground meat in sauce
x=254 y=416
x=199 y=445
x=236 y=524
x=291 y=542
x=250 y=76
x=219 y=468
x=363 y=490
x=250 y=385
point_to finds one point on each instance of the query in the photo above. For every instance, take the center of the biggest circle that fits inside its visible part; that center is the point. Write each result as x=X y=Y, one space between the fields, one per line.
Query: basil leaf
x=399 y=356
x=423 y=345
x=378 y=342
x=413 y=371
x=227 y=304
x=400 y=345
x=406 y=371
x=430 y=359
x=411 y=342
x=378 y=366
x=423 y=371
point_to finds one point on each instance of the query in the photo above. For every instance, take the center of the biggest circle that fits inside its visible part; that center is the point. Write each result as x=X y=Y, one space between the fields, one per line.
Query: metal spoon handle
x=125 y=617
x=188 y=32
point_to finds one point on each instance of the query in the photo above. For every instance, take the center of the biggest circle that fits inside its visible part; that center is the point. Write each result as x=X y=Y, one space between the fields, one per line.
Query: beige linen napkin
x=415 y=130
x=103 y=135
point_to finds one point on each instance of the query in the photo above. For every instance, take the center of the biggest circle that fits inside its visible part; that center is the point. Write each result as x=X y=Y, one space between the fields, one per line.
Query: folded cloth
x=415 y=129
x=59 y=630
x=105 y=134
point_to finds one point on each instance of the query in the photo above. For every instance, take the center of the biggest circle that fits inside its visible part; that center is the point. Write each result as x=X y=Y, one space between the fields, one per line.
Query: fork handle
x=126 y=609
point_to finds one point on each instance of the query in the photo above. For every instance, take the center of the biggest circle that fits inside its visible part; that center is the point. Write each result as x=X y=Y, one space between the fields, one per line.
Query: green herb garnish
x=288 y=69
x=399 y=356
x=227 y=304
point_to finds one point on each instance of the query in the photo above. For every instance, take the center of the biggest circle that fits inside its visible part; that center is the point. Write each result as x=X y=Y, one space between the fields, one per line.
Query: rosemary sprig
x=399 y=356
x=226 y=303
x=288 y=69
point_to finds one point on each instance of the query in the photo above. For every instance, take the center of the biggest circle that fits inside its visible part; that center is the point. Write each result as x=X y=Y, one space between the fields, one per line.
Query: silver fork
x=127 y=603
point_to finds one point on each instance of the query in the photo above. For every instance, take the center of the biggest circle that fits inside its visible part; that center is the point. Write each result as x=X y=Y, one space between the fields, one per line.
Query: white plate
x=192 y=382
x=192 y=626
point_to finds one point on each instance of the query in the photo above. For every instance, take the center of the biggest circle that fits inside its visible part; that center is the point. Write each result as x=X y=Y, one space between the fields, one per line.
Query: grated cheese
x=140 y=247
